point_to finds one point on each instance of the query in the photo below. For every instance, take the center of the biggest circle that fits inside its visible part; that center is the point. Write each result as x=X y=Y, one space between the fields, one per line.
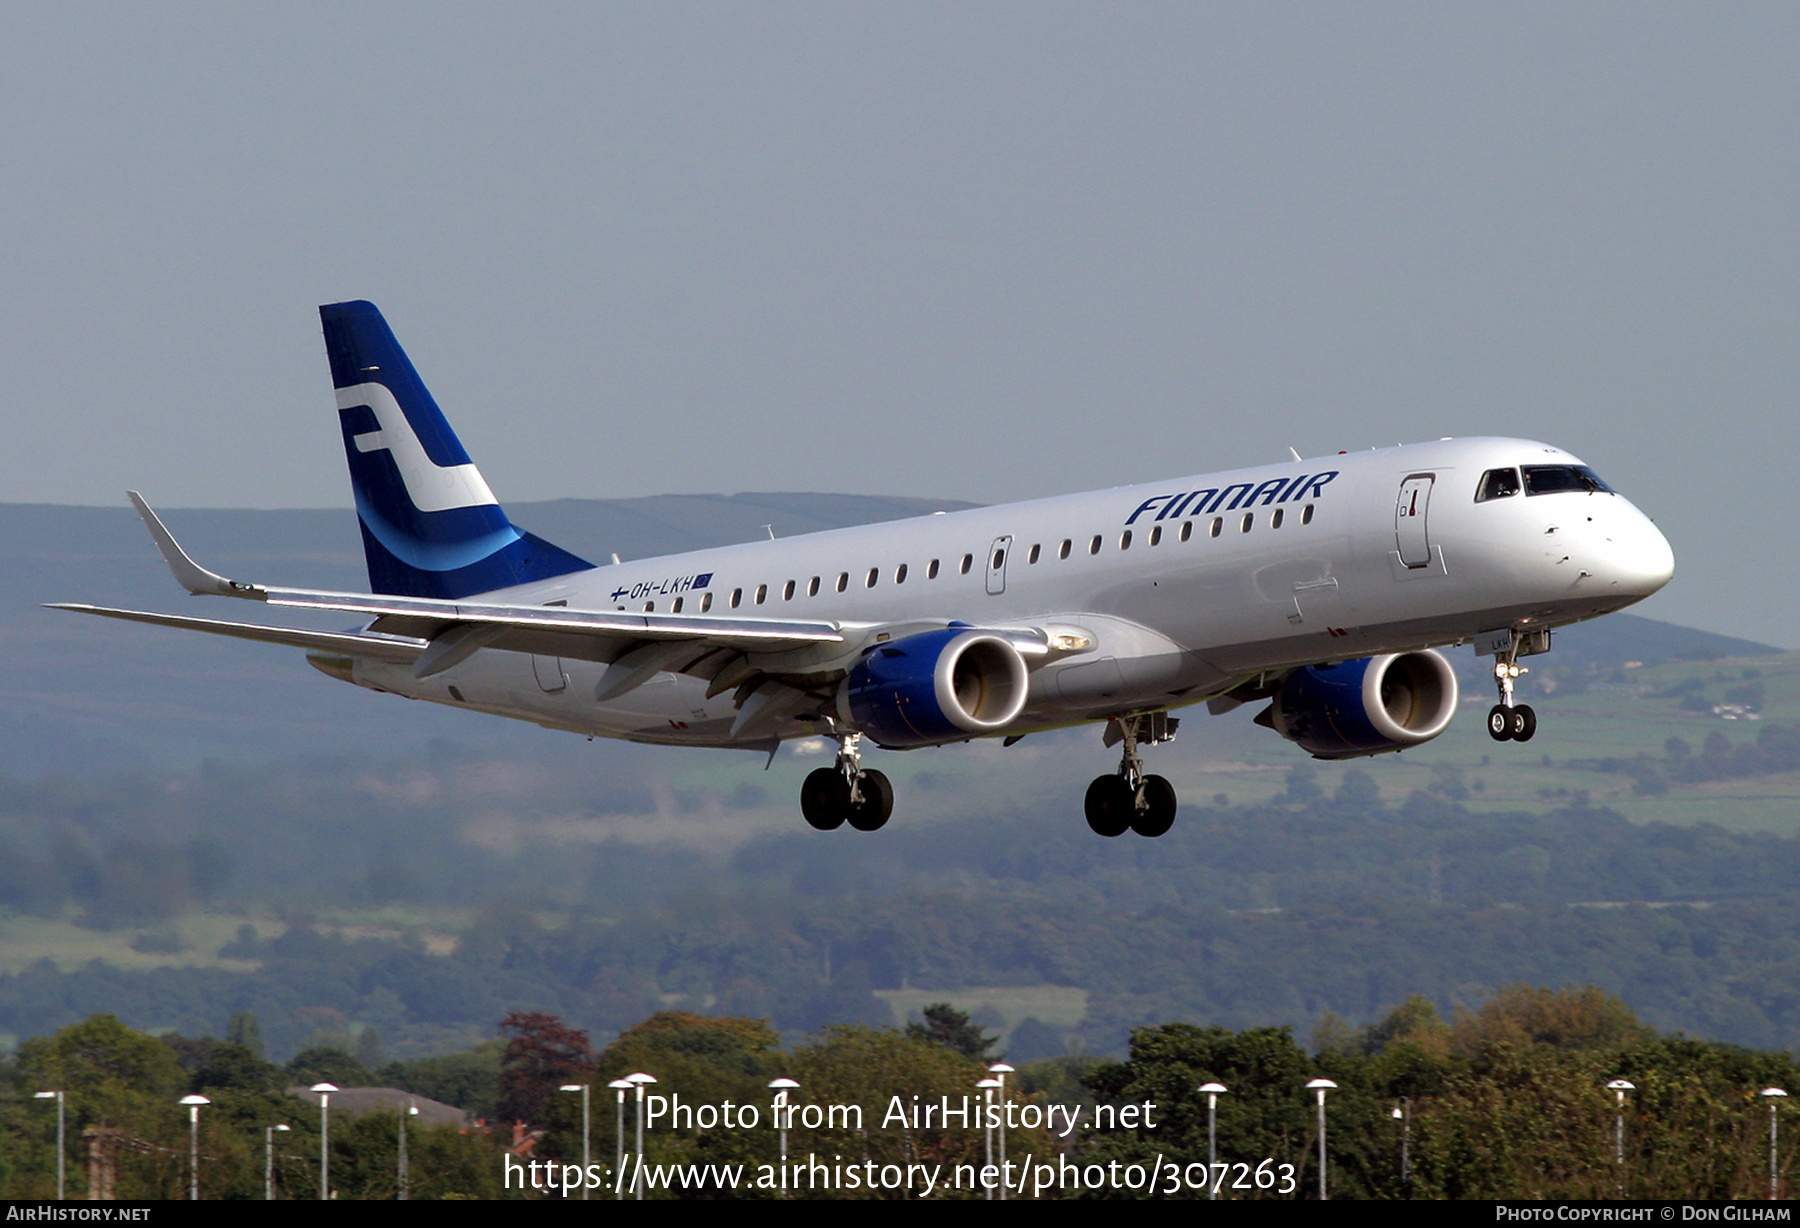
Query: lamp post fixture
x=1619 y=1087
x=986 y=1087
x=638 y=1081
x=403 y=1171
x=1403 y=1115
x=193 y=1107
x=324 y=1091
x=782 y=1087
x=1774 y=1095
x=60 y=1149
x=269 y=1159
x=621 y=1086
x=1321 y=1086
x=1000 y=1070
x=1213 y=1092
x=586 y=1157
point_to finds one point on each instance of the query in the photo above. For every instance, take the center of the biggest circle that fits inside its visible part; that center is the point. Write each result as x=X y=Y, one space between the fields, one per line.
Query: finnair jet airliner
x=1323 y=587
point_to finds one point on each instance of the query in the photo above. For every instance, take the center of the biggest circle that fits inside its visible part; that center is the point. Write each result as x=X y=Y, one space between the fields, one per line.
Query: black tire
x=877 y=802
x=1158 y=814
x=1524 y=723
x=1110 y=806
x=1500 y=723
x=825 y=799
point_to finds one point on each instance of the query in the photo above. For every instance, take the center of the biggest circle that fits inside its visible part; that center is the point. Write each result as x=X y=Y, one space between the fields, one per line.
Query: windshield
x=1555 y=479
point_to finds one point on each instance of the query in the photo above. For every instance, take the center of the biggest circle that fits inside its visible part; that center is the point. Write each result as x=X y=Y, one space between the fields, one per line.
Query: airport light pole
x=1213 y=1092
x=269 y=1159
x=986 y=1087
x=324 y=1091
x=782 y=1087
x=1619 y=1087
x=193 y=1107
x=1000 y=1070
x=1774 y=1095
x=403 y=1170
x=1321 y=1086
x=586 y=1155
x=620 y=1086
x=61 y=1157
x=638 y=1081
x=1403 y=1114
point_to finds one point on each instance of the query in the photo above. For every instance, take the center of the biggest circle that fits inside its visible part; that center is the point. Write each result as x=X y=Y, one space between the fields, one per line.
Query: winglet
x=189 y=574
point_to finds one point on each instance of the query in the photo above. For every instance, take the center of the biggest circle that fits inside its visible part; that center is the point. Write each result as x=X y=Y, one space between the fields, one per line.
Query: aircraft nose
x=1639 y=560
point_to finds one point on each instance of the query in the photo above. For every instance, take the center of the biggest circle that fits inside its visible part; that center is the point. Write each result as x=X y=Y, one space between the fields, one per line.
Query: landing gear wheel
x=1158 y=814
x=877 y=801
x=825 y=799
x=1524 y=723
x=1500 y=723
x=1111 y=805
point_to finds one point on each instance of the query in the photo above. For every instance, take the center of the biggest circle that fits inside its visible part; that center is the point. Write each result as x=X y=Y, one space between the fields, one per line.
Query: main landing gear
x=1130 y=799
x=847 y=791
x=1506 y=721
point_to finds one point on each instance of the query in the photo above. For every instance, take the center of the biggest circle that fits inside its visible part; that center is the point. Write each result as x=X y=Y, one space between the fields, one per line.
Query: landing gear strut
x=1130 y=799
x=1506 y=721
x=847 y=790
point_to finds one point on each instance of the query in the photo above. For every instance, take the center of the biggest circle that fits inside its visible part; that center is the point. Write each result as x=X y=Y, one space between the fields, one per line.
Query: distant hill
x=77 y=694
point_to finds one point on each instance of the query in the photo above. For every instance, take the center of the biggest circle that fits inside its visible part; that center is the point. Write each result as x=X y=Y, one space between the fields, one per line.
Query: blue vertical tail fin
x=430 y=525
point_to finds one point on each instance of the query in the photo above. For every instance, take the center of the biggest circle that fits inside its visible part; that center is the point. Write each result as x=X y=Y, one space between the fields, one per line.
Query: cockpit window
x=1556 y=479
x=1497 y=484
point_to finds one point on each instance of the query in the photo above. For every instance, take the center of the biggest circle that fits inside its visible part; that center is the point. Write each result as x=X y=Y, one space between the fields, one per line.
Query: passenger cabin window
x=1497 y=484
x=968 y=562
x=787 y=591
x=1306 y=516
x=1094 y=546
x=812 y=587
x=931 y=570
x=677 y=606
x=1275 y=520
x=1125 y=540
x=1156 y=536
x=649 y=607
x=874 y=574
x=1217 y=525
x=705 y=602
x=1187 y=529
x=762 y=592
x=900 y=574
x=1033 y=556
x=1249 y=519
x=1559 y=479
x=1063 y=550
x=737 y=597
x=843 y=581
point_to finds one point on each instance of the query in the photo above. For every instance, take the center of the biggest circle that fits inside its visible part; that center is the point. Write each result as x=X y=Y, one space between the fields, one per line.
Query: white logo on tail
x=431 y=486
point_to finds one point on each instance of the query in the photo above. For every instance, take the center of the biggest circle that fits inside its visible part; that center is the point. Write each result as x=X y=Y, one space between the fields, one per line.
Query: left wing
x=437 y=635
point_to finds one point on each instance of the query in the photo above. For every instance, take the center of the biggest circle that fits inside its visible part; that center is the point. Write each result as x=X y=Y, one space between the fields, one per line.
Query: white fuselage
x=1264 y=573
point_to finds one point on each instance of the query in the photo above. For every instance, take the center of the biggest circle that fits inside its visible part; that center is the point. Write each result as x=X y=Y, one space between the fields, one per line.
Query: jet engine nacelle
x=940 y=686
x=1365 y=707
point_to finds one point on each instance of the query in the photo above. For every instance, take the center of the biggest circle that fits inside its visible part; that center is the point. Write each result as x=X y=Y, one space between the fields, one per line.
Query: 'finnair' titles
x=1322 y=589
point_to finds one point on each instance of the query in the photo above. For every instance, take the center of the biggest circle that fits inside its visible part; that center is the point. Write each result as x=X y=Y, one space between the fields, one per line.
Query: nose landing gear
x=1130 y=799
x=1506 y=721
x=847 y=791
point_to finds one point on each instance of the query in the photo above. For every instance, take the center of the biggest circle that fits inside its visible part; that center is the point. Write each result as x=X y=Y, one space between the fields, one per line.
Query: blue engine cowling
x=941 y=686
x=1366 y=707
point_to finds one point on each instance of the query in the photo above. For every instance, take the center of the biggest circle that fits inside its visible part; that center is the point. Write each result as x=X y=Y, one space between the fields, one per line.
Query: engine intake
x=1365 y=707
x=941 y=686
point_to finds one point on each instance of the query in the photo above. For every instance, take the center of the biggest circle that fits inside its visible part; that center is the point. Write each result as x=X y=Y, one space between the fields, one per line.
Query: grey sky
x=976 y=252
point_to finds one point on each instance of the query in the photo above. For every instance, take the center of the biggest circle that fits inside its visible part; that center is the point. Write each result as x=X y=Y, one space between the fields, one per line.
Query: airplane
x=1323 y=586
